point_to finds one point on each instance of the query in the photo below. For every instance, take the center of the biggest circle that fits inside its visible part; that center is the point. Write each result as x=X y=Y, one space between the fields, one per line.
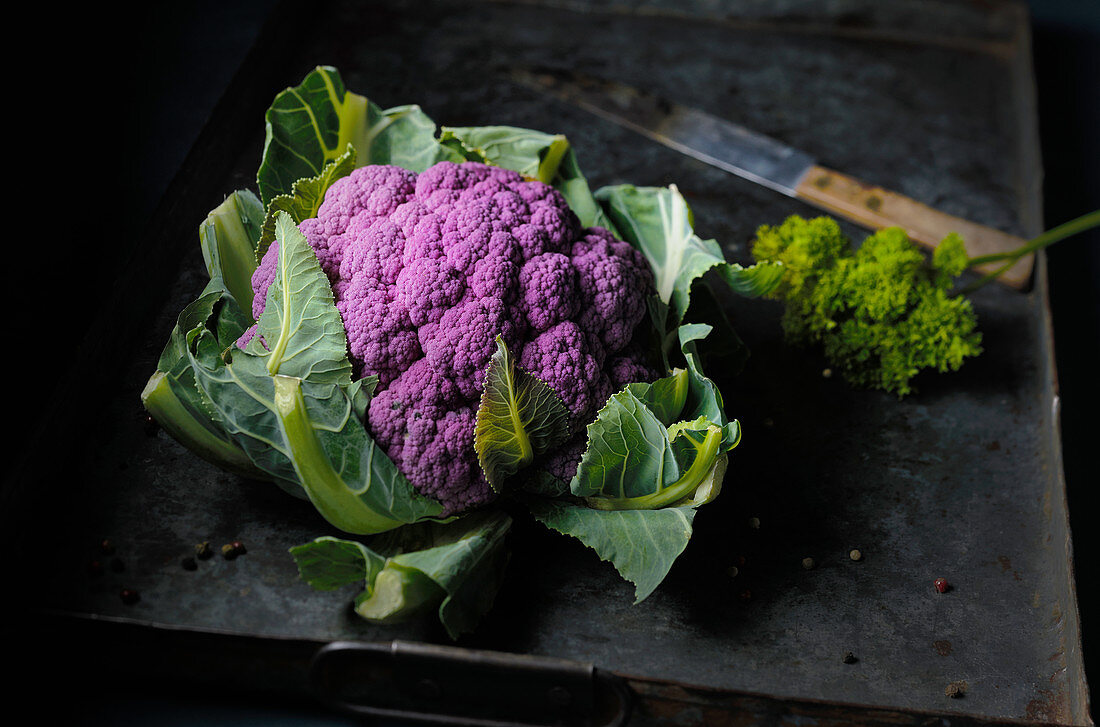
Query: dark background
x=164 y=69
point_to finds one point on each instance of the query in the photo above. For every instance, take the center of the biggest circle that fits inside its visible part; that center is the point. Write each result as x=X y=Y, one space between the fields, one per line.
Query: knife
x=775 y=165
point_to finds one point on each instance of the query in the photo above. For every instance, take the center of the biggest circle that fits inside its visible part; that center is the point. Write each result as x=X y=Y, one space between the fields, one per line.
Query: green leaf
x=303 y=330
x=658 y=222
x=328 y=563
x=638 y=456
x=398 y=594
x=467 y=561
x=641 y=544
x=173 y=397
x=518 y=418
x=570 y=181
x=628 y=453
x=456 y=567
x=228 y=238
x=534 y=154
x=405 y=137
x=305 y=198
x=698 y=449
x=361 y=391
x=539 y=481
x=704 y=396
x=664 y=397
x=313 y=123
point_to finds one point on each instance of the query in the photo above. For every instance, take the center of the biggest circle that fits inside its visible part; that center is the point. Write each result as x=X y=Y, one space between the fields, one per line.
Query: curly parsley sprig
x=883 y=312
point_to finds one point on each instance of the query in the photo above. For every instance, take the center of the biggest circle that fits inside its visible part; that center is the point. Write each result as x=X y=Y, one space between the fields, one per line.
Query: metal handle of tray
x=446 y=685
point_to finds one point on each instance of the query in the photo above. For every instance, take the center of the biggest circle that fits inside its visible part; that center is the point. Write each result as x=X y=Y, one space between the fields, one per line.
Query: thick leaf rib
x=228 y=238
x=304 y=331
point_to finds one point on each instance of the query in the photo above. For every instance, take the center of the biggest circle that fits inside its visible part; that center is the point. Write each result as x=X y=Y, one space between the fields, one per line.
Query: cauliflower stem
x=327 y=491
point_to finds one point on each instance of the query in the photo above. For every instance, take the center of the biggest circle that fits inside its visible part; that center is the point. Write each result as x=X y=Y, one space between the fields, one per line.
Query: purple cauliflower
x=428 y=269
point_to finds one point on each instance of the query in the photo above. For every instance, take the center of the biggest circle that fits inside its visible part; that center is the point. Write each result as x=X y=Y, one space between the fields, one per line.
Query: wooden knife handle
x=877 y=208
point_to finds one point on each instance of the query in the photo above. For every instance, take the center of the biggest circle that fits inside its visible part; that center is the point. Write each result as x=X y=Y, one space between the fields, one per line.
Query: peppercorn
x=754 y=523
x=150 y=425
x=941 y=585
x=95 y=568
x=745 y=595
x=129 y=596
x=106 y=547
x=808 y=564
x=848 y=658
x=955 y=690
x=855 y=554
x=232 y=550
x=203 y=550
x=189 y=563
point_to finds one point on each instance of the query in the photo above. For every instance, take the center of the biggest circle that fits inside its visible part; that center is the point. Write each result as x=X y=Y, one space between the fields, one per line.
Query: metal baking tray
x=962 y=480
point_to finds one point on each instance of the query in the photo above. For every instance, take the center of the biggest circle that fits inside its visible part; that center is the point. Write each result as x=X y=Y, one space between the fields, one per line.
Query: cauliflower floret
x=436 y=461
x=466 y=340
x=624 y=370
x=381 y=338
x=475 y=231
x=561 y=357
x=373 y=190
x=610 y=274
x=262 y=278
x=549 y=290
x=494 y=277
x=427 y=288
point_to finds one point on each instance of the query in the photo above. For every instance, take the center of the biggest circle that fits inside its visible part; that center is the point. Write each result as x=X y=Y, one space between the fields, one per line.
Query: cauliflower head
x=427 y=269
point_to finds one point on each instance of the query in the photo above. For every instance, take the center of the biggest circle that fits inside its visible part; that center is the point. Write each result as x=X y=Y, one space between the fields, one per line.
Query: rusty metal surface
x=962 y=480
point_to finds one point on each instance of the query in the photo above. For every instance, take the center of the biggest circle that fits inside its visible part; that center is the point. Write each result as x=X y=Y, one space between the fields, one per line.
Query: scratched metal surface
x=962 y=480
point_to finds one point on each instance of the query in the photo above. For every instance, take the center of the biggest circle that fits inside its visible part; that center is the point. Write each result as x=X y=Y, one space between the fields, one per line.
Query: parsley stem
x=1051 y=236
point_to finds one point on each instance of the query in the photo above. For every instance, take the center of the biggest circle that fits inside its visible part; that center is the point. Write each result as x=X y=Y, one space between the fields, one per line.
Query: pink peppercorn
x=941 y=585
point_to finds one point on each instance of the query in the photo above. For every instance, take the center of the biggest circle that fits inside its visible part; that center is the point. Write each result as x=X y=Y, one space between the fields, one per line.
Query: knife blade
x=773 y=164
